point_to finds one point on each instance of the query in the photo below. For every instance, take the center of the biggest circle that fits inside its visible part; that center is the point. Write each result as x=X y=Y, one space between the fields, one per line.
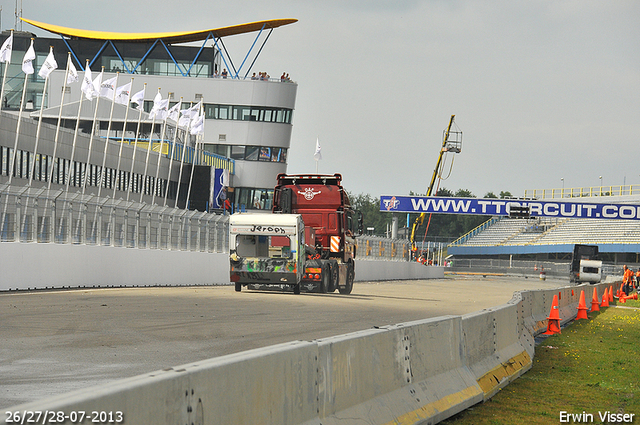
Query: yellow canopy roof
x=167 y=37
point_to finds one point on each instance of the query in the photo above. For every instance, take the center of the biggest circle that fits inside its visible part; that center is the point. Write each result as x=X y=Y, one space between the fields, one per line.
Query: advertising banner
x=502 y=207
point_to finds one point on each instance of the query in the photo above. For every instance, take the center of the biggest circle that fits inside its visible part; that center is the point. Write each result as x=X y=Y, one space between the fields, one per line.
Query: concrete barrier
x=369 y=270
x=272 y=385
x=43 y=266
x=417 y=372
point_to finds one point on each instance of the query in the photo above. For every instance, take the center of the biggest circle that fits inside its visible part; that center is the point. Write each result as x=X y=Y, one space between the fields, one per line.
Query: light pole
x=562 y=193
x=600 y=185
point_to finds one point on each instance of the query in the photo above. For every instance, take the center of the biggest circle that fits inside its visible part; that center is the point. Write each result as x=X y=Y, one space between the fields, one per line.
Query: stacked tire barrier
x=409 y=373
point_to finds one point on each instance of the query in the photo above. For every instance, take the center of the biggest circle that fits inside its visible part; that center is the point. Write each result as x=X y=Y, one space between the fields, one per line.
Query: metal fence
x=524 y=267
x=34 y=215
x=56 y=216
x=378 y=248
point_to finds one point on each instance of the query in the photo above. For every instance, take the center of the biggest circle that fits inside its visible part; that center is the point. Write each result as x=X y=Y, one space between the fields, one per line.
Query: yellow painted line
x=431 y=409
x=491 y=380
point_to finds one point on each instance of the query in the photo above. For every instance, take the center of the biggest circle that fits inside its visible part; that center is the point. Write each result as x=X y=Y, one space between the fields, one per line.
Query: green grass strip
x=590 y=373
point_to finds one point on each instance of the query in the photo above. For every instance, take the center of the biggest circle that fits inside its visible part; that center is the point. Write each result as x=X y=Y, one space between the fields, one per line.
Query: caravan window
x=263 y=246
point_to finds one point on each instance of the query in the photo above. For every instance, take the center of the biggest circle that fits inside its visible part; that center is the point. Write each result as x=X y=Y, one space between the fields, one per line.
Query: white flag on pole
x=87 y=84
x=184 y=121
x=197 y=125
x=108 y=88
x=48 y=66
x=318 y=154
x=27 y=61
x=5 y=50
x=174 y=112
x=193 y=111
x=97 y=82
x=138 y=98
x=72 y=76
x=160 y=107
x=122 y=94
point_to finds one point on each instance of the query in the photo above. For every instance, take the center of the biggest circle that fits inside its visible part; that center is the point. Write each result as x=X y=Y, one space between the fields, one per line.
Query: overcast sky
x=542 y=90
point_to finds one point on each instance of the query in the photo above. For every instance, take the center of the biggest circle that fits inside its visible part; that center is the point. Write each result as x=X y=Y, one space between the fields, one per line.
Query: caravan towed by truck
x=307 y=242
x=585 y=264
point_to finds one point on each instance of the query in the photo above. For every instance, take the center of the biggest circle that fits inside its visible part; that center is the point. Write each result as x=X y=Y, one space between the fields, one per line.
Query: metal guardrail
x=42 y=216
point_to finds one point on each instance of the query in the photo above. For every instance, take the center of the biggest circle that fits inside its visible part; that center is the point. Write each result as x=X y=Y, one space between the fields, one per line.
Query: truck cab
x=266 y=249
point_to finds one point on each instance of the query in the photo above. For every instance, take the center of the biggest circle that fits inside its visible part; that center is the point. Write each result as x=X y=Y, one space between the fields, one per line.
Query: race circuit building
x=120 y=150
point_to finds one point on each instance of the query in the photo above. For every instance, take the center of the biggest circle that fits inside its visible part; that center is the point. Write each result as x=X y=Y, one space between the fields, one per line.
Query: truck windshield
x=270 y=246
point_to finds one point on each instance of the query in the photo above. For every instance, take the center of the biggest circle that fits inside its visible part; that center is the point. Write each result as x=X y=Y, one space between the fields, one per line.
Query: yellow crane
x=452 y=142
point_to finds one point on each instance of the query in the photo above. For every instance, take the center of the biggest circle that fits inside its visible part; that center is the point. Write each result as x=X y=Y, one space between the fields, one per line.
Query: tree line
x=441 y=227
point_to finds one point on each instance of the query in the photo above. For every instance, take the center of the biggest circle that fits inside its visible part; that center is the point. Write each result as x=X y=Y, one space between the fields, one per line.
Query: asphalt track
x=57 y=341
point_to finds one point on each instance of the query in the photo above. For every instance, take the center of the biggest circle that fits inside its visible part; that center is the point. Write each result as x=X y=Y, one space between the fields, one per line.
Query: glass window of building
x=241 y=113
x=265 y=153
x=237 y=152
x=251 y=153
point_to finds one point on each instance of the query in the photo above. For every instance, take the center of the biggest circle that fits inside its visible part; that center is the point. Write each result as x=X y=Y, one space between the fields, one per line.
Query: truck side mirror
x=286 y=196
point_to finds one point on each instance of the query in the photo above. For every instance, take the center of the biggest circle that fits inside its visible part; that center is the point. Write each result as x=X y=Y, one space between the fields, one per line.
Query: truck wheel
x=238 y=287
x=296 y=289
x=351 y=274
x=335 y=270
x=325 y=282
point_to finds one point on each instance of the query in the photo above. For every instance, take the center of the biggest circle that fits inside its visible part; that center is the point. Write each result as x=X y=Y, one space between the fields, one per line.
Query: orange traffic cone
x=623 y=298
x=610 y=294
x=553 y=326
x=605 y=298
x=595 y=304
x=582 y=307
x=619 y=293
x=634 y=296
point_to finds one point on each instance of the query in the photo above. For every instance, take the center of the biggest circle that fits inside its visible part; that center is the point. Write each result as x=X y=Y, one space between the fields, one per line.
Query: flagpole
x=4 y=77
x=193 y=167
x=65 y=177
x=135 y=145
x=193 y=164
x=156 y=185
x=35 y=149
x=103 y=174
x=146 y=161
x=173 y=147
x=184 y=149
x=55 y=140
x=124 y=128
x=15 y=144
x=93 y=130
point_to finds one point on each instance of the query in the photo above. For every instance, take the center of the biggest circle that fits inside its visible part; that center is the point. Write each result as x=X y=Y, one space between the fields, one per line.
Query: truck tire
x=296 y=289
x=325 y=281
x=238 y=287
x=351 y=274
x=335 y=272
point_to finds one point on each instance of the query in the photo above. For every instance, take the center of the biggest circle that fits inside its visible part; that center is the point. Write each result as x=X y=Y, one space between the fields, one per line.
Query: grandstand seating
x=552 y=231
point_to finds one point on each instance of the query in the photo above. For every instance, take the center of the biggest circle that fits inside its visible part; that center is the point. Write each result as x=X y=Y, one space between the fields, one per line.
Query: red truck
x=308 y=242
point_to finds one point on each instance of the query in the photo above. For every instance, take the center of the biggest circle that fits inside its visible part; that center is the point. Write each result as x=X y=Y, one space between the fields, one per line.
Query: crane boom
x=444 y=149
